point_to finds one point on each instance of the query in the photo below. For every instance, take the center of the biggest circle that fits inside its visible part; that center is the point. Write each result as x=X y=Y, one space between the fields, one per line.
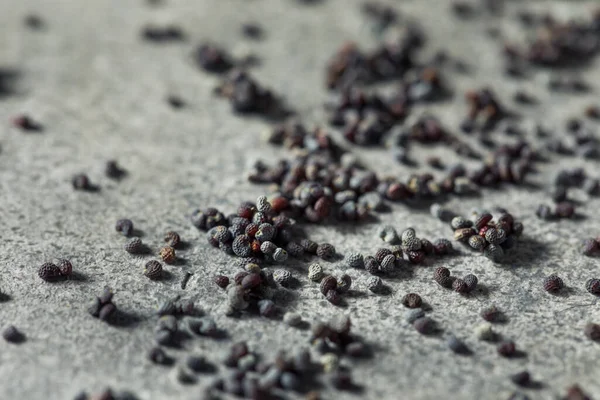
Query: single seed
x=381 y=254
x=388 y=264
x=442 y=246
x=355 y=260
x=408 y=233
x=172 y=239
x=241 y=246
x=185 y=279
x=442 y=276
x=590 y=247
x=309 y=246
x=294 y=249
x=492 y=314
x=222 y=281
x=371 y=265
x=49 y=272
x=593 y=286
x=12 y=335
x=464 y=234
x=292 y=319
x=268 y=247
x=153 y=270
x=495 y=236
x=485 y=332
x=134 y=246
x=412 y=300
x=124 y=226
x=252 y=268
x=168 y=254
x=262 y=204
x=283 y=277
x=544 y=212
x=411 y=244
x=482 y=220
x=471 y=281
x=327 y=283
x=325 y=251
x=81 y=182
x=251 y=281
x=477 y=242
x=507 y=349
x=158 y=356
x=565 y=209
x=425 y=325
x=344 y=283
x=333 y=297
x=280 y=255
x=460 y=286
x=592 y=331
x=553 y=283
x=251 y=229
x=239 y=276
x=522 y=378
x=457 y=345
x=388 y=234
x=460 y=223
x=265 y=232
x=315 y=272
x=494 y=253
x=65 y=267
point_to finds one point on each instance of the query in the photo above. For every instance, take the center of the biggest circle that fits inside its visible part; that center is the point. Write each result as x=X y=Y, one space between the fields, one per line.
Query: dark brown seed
x=381 y=254
x=124 y=226
x=492 y=314
x=106 y=311
x=507 y=349
x=158 y=356
x=482 y=220
x=49 y=272
x=565 y=209
x=81 y=182
x=460 y=286
x=592 y=331
x=325 y=251
x=424 y=326
x=251 y=281
x=172 y=239
x=168 y=254
x=553 y=283
x=12 y=334
x=590 y=247
x=222 y=281
x=309 y=246
x=153 y=270
x=26 y=123
x=471 y=281
x=239 y=277
x=328 y=283
x=576 y=393
x=593 y=286
x=134 y=246
x=333 y=297
x=412 y=300
x=65 y=266
x=522 y=378
x=416 y=257
x=441 y=272
x=113 y=170
x=344 y=283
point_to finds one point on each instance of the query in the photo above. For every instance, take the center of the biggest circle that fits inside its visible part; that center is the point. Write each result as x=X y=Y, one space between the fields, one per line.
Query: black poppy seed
x=124 y=226
x=134 y=246
x=309 y=246
x=477 y=242
x=441 y=272
x=374 y=284
x=355 y=260
x=411 y=244
x=492 y=314
x=425 y=325
x=565 y=209
x=153 y=270
x=427 y=247
x=388 y=234
x=294 y=249
x=265 y=232
x=280 y=255
x=552 y=283
x=381 y=254
x=251 y=229
x=388 y=264
x=327 y=283
x=371 y=265
x=241 y=246
x=442 y=246
x=158 y=356
x=325 y=251
x=344 y=283
x=412 y=300
x=416 y=257
x=471 y=281
x=589 y=247
x=457 y=345
x=593 y=286
x=268 y=247
x=113 y=170
x=493 y=252
x=251 y=281
x=172 y=239
x=522 y=378
x=507 y=349
x=81 y=182
x=592 y=331
x=464 y=234
x=260 y=218
x=185 y=279
x=495 y=236
x=65 y=267
x=12 y=335
x=107 y=311
x=49 y=272
x=333 y=297
x=482 y=220
x=221 y=233
x=460 y=286
x=262 y=204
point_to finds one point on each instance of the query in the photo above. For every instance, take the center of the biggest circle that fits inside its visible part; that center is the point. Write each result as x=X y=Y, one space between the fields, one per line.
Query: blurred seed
x=124 y=226
x=471 y=281
x=325 y=251
x=158 y=356
x=327 y=283
x=153 y=270
x=65 y=267
x=134 y=246
x=388 y=264
x=592 y=331
x=12 y=335
x=593 y=286
x=477 y=242
x=553 y=283
x=172 y=239
x=107 y=311
x=412 y=300
x=457 y=345
x=168 y=254
x=425 y=325
x=521 y=378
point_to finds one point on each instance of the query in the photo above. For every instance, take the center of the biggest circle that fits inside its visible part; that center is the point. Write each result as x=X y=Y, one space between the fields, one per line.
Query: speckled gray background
x=99 y=90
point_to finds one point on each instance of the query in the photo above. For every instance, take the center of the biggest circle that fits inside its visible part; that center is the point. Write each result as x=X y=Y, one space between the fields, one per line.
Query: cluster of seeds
x=53 y=272
x=483 y=234
x=463 y=286
x=102 y=306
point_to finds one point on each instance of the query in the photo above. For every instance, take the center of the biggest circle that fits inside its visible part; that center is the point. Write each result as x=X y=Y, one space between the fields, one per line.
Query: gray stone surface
x=99 y=91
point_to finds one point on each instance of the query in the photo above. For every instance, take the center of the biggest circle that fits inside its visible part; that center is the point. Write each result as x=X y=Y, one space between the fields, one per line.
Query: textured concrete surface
x=99 y=91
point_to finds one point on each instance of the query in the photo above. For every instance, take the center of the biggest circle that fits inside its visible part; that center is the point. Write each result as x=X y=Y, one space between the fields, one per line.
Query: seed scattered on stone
x=333 y=297
x=507 y=349
x=371 y=265
x=492 y=314
x=388 y=234
x=153 y=270
x=553 y=283
x=49 y=272
x=442 y=247
x=592 y=331
x=471 y=281
x=12 y=334
x=477 y=242
x=266 y=308
x=412 y=300
x=381 y=254
x=425 y=325
x=124 y=226
x=107 y=311
x=280 y=255
x=457 y=345
x=344 y=283
x=374 y=284
x=309 y=246
x=327 y=283
x=388 y=264
x=292 y=319
x=459 y=222
x=172 y=239
x=494 y=253
x=81 y=182
x=65 y=267
x=593 y=286
x=167 y=254
x=222 y=281
x=325 y=251
x=522 y=378
x=315 y=272
x=283 y=277
x=460 y=286
x=134 y=246
x=355 y=260
x=485 y=332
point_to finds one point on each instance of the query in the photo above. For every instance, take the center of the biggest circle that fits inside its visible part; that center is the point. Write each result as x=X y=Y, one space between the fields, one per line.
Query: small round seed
x=388 y=234
x=494 y=253
x=457 y=345
x=265 y=232
x=107 y=311
x=492 y=314
x=241 y=246
x=333 y=297
x=294 y=249
x=565 y=209
x=327 y=283
x=485 y=332
x=408 y=233
x=65 y=267
x=49 y=272
x=81 y=182
x=522 y=378
x=222 y=281
x=477 y=242
x=355 y=260
x=424 y=326
x=544 y=212
x=172 y=239
x=124 y=226
x=315 y=272
x=412 y=300
x=292 y=319
x=309 y=246
x=507 y=349
x=268 y=247
x=590 y=247
x=344 y=283
x=482 y=220
x=251 y=281
x=463 y=234
x=158 y=356
x=266 y=308
x=553 y=283
x=495 y=236
x=168 y=254
x=593 y=286
x=262 y=204
x=153 y=270
x=471 y=281
x=371 y=265
x=411 y=244
x=381 y=254
x=12 y=335
x=325 y=251
x=442 y=246
x=239 y=276
x=280 y=255
x=282 y=276
x=592 y=331
x=374 y=284
x=460 y=222
x=388 y=264
x=134 y=246
x=460 y=286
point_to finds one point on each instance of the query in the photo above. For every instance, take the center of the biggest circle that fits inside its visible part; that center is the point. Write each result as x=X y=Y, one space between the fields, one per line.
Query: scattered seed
x=388 y=264
x=460 y=286
x=507 y=349
x=553 y=283
x=327 y=283
x=134 y=246
x=49 y=272
x=315 y=272
x=153 y=270
x=12 y=334
x=168 y=254
x=522 y=378
x=325 y=251
x=283 y=277
x=425 y=325
x=457 y=345
x=81 y=182
x=592 y=331
x=280 y=255
x=172 y=239
x=412 y=300
x=124 y=226
x=292 y=319
x=333 y=297
x=471 y=281
x=593 y=286
x=485 y=332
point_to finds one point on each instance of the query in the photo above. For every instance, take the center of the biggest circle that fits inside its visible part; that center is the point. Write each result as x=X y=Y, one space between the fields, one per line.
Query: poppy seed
x=266 y=308
x=309 y=246
x=494 y=253
x=280 y=255
x=124 y=226
x=425 y=325
x=251 y=281
x=153 y=270
x=442 y=247
x=81 y=182
x=507 y=349
x=464 y=234
x=460 y=286
x=134 y=246
x=222 y=281
x=552 y=283
x=371 y=265
x=12 y=335
x=590 y=247
x=592 y=331
x=457 y=345
x=460 y=223
x=327 y=283
x=172 y=239
x=294 y=249
x=168 y=254
x=412 y=300
x=283 y=277
x=471 y=281
x=333 y=297
x=495 y=236
x=325 y=251
x=49 y=272
x=381 y=254
x=482 y=220
x=344 y=283
x=477 y=242
x=593 y=286
x=411 y=244
x=355 y=260
x=412 y=315
x=241 y=246
x=407 y=234
x=388 y=234
x=388 y=263
x=315 y=272
x=158 y=356
x=522 y=378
